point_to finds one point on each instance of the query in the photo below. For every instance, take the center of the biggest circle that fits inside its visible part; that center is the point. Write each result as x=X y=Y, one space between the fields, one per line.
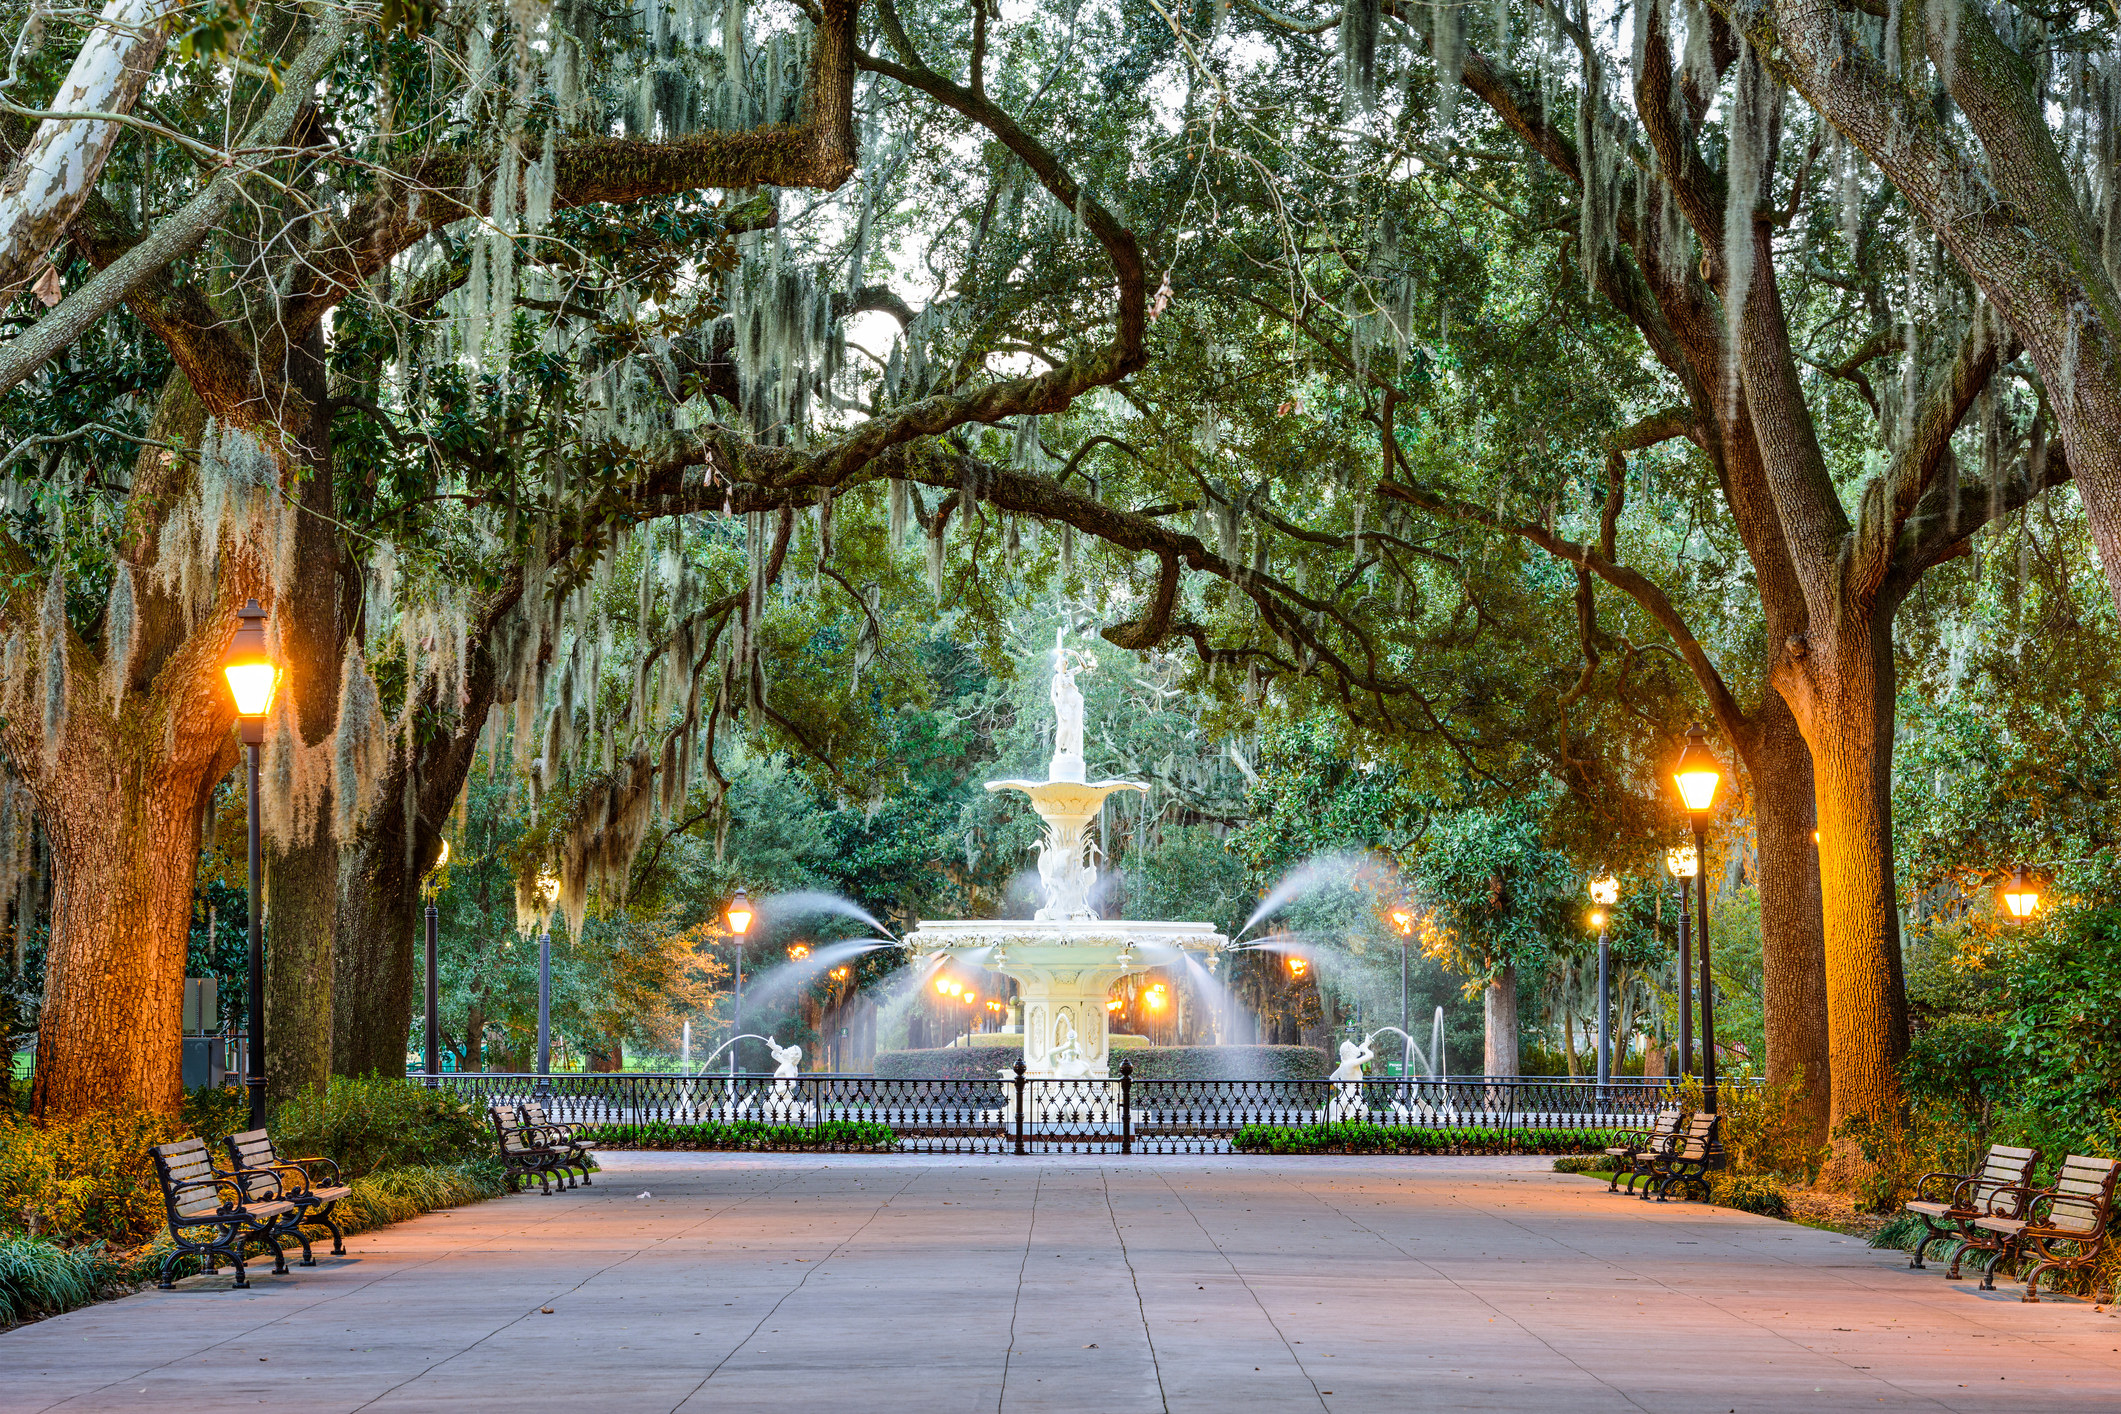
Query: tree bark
x=302 y=871
x=1500 y=1053
x=1792 y=926
x=124 y=826
x=1844 y=696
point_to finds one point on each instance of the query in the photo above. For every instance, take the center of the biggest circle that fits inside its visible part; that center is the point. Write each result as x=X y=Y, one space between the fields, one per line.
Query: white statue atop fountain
x=786 y=1104
x=787 y=1062
x=1067 y=763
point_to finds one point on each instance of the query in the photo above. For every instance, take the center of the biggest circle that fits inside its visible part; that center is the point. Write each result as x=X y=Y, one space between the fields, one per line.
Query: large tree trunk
x=1844 y=697
x=1500 y=1057
x=124 y=827
x=302 y=868
x=1792 y=928
x=376 y=950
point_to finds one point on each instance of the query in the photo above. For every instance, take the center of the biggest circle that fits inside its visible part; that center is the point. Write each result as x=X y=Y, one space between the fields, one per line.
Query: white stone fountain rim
x=1071 y=932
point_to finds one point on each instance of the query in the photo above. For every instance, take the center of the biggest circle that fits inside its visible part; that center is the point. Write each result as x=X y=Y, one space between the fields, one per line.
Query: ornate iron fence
x=1479 y=1114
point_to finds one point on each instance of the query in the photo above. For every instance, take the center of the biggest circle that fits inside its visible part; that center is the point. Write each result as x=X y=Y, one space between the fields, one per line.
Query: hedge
x=744 y=1134
x=1150 y=1063
x=1351 y=1137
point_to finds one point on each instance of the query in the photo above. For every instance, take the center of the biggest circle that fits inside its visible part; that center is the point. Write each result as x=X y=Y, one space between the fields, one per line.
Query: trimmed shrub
x=1351 y=1137
x=1228 y=1063
x=745 y=1134
x=948 y=1063
x=1750 y=1193
x=1150 y=1063
x=375 y=1122
x=1581 y=1163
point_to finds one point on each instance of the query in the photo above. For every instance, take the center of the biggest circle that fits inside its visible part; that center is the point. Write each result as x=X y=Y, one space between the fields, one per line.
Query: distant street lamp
x=252 y=676
x=431 y=1047
x=1698 y=773
x=1403 y=924
x=739 y=918
x=548 y=891
x=1605 y=892
x=1683 y=864
x=2021 y=895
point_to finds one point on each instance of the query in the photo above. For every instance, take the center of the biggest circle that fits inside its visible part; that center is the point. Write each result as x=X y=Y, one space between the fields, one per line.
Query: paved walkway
x=875 y=1285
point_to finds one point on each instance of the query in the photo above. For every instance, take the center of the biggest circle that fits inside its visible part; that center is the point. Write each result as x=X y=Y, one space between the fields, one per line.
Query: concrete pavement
x=787 y=1283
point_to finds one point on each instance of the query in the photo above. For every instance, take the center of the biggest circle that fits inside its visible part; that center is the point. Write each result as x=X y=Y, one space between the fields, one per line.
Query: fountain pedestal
x=1064 y=969
x=1065 y=960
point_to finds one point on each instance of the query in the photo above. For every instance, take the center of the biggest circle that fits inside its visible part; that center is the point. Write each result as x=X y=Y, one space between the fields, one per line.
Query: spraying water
x=781 y=908
x=1347 y=870
x=785 y=977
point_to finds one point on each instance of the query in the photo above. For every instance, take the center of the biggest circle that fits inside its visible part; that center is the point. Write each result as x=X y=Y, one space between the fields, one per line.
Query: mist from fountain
x=1348 y=869
x=762 y=988
x=775 y=909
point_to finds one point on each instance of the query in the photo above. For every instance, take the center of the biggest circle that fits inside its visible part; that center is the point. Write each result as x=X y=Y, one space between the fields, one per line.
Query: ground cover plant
x=1356 y=1137
x=82 y=1215
x=744 y=1134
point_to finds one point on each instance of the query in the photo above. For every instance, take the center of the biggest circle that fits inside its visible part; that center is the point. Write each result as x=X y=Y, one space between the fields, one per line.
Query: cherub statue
x=787 y=1060
x=1348 y=1102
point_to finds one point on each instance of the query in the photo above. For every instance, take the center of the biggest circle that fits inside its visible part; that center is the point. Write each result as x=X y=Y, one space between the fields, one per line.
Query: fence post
x=1126 y=1107
x=1019 y=1104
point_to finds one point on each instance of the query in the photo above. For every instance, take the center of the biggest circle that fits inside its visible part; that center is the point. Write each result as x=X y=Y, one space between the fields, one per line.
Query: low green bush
x=1581 y=1163
x=744 y=1134
x=83 y=1179
x=1150 y=1063
x=1750 y=1193
x=1352 y=1137
x=376 y=1122
x=948 y=1063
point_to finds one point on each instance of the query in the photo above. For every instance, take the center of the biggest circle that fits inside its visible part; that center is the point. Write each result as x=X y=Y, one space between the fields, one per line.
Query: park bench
x=251 y=1153
x=199 y=1198
x=522 y=1153
x=1664 y=1128
x=1682 y=1164
x=1947 y=1202
x=563 y=1135
x=2072 y=1213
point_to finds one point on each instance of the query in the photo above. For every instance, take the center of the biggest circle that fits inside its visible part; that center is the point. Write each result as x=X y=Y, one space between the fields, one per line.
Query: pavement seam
x=432 y=1366
x=1265 y=1314
x=782 y=1299
x=1104 y=1183
x=1038 y=1186
x=1452 y=1281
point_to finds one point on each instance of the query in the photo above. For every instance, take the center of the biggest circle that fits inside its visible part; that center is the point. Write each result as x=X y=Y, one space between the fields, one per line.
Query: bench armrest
x=1957 y=1182
x=309 y=1165
x=225 y=1189
x=238 y=1176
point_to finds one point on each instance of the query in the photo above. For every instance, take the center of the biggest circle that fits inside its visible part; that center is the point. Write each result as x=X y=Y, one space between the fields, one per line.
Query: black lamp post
x=1684 y=863
x=431 y=1051
x=1605 y=892
x=1698 y=773
x=251 y=680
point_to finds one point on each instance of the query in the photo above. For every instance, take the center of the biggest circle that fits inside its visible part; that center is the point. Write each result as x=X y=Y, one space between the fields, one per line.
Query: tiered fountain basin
x=1064 y=969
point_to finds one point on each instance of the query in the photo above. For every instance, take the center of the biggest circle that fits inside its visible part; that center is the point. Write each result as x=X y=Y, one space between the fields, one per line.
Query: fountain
x=1064 y=960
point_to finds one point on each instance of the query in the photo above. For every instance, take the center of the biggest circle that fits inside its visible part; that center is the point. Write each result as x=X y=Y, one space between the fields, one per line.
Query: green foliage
x=1750 y=1193
x=83 y=1179
x=375 y=1122
x=214 y=1114
x=1581 y=1163
x=948 y=1063
x=745 y=1134
x=1354 y=1137
x=1496 y=887
x=38 y=1277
